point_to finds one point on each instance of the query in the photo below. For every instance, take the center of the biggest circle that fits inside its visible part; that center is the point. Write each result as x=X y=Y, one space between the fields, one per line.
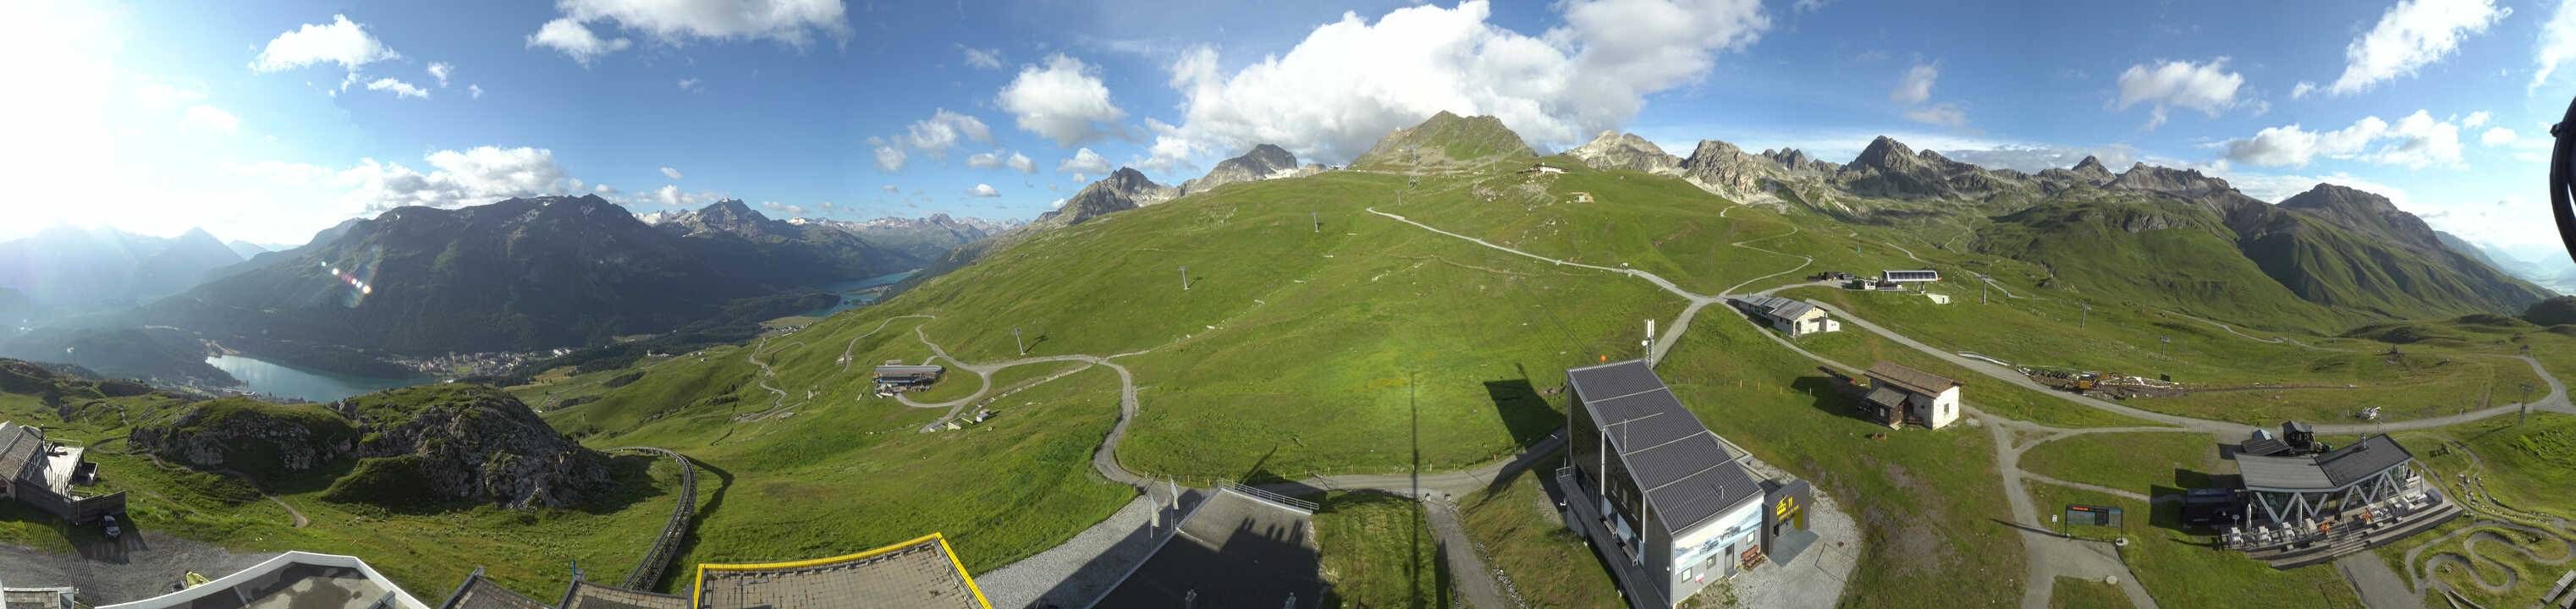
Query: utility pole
x=2085 y=319
x=1185 y=278
x=1650 y=343
x=1015 y=339
x=1318 y=217
x=2526 y=404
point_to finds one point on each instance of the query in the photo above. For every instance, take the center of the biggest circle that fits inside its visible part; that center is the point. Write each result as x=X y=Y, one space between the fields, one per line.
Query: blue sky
x=267 y=121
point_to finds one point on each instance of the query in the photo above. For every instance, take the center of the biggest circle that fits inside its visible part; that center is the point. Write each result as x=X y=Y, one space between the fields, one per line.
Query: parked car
x=113 y=531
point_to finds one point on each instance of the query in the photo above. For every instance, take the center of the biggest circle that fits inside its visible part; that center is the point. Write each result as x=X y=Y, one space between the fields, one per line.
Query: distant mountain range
x=2332 y=246
x=67 y=270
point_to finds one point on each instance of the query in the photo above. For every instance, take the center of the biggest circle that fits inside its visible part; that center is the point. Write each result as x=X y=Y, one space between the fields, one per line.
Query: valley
x=1404 y=328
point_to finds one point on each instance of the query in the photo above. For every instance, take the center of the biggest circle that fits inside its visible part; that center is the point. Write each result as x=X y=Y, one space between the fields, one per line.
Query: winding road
x=2050 y=556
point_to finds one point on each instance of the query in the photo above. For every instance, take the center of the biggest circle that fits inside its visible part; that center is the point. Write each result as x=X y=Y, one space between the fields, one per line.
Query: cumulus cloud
x=688 y=84
x=2476 y=119
x=670 y=195
x=457 y=178
x=1084 y=161
x=440 y=71
x=476 y=91
x=2411 y=35
x=671 y=173
x=2207 y=87
x=944 y=130
x=212 y=118
x=1943 y=114
x=2415 y=141
x=398 y=88
x=983 y=190
x=999 y=158
x=1063 y=100
x=795 y=22
x=575 y=40
x=890 y=159
x=989 y=59
x=1916 y=86
x=2498 y=136
x=2557 y=44
x=1351 y=81
x=341 y=41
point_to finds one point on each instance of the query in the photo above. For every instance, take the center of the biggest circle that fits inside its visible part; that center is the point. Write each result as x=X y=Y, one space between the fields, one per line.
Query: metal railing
x=649 y=569
x=1291 y=502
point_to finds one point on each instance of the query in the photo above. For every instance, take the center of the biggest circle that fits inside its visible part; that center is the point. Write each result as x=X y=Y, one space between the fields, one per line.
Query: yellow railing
x=697 y=589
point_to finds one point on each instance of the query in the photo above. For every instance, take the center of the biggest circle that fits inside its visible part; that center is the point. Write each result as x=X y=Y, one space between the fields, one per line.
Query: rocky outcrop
x=2088 y=172
x=1889 y=169
x=405 y=448
x=2183 y=183
x=1263 y=162
x=1615 y=150
x=1123 y=190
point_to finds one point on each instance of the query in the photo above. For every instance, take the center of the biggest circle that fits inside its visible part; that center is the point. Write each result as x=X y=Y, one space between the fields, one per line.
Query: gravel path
x=1084 y=568
x=139 y=566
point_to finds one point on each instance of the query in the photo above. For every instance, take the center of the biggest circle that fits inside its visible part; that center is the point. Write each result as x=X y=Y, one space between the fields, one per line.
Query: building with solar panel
x=1668 y=503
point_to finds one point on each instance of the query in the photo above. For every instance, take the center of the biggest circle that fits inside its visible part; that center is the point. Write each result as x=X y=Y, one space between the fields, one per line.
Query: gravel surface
x=139 y=566
x=1082 y=569
x=1818 y=576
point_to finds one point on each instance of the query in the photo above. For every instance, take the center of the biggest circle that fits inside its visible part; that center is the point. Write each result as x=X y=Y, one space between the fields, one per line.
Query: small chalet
x=1899 y=394
x=1792 y=317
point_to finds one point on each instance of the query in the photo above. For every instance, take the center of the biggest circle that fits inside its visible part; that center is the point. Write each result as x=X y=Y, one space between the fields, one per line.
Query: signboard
x=1784 y=508
x=2093 y=515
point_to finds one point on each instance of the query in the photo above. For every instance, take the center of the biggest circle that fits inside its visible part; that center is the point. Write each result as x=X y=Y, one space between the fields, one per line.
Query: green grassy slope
x=2136 y=248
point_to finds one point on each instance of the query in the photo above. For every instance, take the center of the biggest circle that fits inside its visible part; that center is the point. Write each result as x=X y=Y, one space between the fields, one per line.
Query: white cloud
x=2276 y=187
x=2302 y=89
x=1351 y=81
x=671 y=173
x=670 y=195
x=688 y=84
x=989 y=59
x=1916 y=86
x=889 y=159
x=341 y=41
x=2411 y=35
x=1063 y=100
x=2414 y=141
x=575 y=40
x=791 y=21
x=476 y=90
x=2557 y=44
x=944 y=130
x=212 y=118
x=1084 y=161
x=398 y=88
x=2206 y=87
x=983 y=190
x=1944 y=114
x=996 y=159
x=2476 y=119
x=891 y=189
x=1056 y=204
x=2498 y=136
x=473 y=176
x=440 y=70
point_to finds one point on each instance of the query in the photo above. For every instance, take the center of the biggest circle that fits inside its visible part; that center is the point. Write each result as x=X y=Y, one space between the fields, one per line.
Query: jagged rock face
x=2088 y=172
x=1263 y=162
x=467 y=443
x=1123 y=190
x=476 y=443
x=1615 y=150
x=245 y=435
x=2185 y=183
x=1887 y=168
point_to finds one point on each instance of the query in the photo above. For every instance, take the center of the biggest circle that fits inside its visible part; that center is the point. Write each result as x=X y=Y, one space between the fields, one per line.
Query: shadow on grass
x=1525 y=413
x=689 y=542
x=1833 y=396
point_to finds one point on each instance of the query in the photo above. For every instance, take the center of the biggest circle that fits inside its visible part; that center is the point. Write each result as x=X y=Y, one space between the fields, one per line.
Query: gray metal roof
x=21 y=454
x=1886 y=397
x=2343 y=467
x=1688 y=474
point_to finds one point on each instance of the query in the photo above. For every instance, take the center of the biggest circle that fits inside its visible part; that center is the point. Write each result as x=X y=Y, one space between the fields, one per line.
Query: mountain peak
x=1616 y=150
x=2092 y=163
x=1446 y=140
x=1885 y=153
x=1264 y=161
